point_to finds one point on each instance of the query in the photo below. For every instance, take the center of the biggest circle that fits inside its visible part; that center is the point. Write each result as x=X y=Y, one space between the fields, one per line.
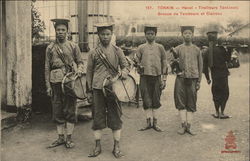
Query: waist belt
x=61 y=67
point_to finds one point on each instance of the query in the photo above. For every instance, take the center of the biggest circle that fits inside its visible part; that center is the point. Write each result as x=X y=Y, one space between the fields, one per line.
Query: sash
x=112 y=70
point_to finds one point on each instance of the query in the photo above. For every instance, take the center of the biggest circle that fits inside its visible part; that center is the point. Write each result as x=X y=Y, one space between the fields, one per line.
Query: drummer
x=152 y=63
x=57 y=54
x=106 y=108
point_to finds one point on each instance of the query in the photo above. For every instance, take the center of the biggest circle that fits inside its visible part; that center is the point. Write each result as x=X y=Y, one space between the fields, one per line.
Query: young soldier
x=151 y=59
x=187 y=83
x=215 y=59
x=106 y=108
x=56 y=67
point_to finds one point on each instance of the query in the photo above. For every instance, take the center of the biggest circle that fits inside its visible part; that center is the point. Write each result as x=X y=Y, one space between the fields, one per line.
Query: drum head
x=125 y=90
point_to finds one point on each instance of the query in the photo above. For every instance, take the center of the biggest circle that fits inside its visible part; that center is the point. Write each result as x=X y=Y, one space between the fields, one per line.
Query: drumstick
x=125 y=90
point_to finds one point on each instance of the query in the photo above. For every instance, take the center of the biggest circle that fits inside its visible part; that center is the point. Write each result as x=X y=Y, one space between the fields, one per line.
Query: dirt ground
x=27 y=142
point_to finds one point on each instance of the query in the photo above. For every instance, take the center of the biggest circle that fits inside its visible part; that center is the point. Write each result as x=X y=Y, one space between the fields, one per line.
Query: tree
x=233 y=25
x=38 y=25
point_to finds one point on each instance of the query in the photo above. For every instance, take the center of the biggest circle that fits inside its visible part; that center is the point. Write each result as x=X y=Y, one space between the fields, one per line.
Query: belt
x=61 y=67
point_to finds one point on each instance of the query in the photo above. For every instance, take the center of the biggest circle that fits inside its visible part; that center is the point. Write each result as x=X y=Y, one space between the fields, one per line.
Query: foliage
x=234 y=24
x=167 y=42
x=172 y=41
x=38 y=25
x=211 y=27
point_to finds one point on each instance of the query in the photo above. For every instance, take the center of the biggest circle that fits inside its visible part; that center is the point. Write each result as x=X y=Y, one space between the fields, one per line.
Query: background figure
x=187 y=82
x=215 y=59
x=61 y=57
x=152 y=62
x=106 y=108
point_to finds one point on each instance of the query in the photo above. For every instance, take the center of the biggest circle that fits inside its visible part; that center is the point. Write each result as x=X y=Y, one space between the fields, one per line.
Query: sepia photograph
x=129 y=80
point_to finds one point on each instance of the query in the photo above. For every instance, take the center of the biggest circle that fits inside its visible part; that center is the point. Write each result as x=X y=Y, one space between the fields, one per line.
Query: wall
x=3 y=70
x=17 y=55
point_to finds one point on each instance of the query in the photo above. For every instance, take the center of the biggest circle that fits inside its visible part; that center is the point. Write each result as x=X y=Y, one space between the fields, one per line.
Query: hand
x=79 y=72
x=197 y=86
x=90 y=97
x=208 y=81
x=163 y=84
x=108 y=82
x=123 y=76
x=49 y=92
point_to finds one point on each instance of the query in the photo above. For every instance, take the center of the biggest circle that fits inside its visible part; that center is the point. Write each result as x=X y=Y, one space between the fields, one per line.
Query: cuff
x=164 y=77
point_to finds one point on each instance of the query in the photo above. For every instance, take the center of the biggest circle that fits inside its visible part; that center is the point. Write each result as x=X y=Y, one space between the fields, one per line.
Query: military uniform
x=152 y=67
x=187 y=82
x=152 y=58
x=219 y=74
x=105 y=62
x=106 y=110
x=64 y=107
x=190 y=62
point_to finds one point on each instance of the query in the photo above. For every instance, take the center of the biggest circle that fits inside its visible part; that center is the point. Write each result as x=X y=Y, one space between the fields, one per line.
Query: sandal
x=95 y=153
x=157 y=128
x=216 y=116
x=56 y=143
x=117 y=154
x=225 y=117
x=69 y=144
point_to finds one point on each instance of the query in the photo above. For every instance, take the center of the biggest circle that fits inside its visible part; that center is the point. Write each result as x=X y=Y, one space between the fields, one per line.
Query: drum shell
x=75 y=86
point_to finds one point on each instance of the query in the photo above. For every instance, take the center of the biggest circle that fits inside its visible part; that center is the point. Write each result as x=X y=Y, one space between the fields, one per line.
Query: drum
x=74 y=86
x=125 y=90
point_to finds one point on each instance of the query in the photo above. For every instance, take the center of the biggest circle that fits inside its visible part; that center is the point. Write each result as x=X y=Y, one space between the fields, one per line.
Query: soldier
x=106 y=108
x=187 y=82
x=152 y=67
x=61 y=56
x=215 y=59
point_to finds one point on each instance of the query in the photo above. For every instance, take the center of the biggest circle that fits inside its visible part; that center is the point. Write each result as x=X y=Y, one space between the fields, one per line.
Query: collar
x=188 y=45
x=151 y=43
x=106 y=46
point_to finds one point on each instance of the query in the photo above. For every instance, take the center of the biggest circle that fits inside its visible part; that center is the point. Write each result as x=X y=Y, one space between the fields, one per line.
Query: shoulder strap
x=105 y=61
x=59 y=51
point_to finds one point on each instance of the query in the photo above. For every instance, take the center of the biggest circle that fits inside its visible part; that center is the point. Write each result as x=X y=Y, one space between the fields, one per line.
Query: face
x=212 y=36
x=150 y=35
x=187 y=35
x=105 y=36
x=61 y=32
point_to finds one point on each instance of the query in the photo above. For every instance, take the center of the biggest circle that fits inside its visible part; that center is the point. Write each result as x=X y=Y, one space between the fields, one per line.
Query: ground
x=27 y=142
